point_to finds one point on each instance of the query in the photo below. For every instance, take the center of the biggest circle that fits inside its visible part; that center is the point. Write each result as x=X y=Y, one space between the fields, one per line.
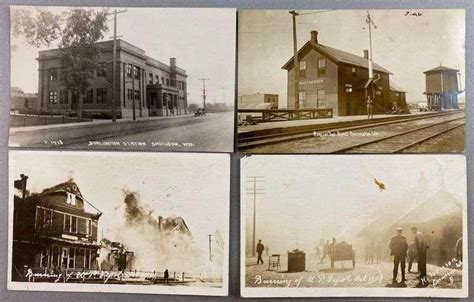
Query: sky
x=305 y=195
x=201 y=39
x=405 y=45
x=193 y=186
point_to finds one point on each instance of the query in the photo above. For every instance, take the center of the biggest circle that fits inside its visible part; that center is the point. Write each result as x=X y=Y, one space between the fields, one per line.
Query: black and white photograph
x=357 y=225
x=119 y=222
x=142 y=79
x=351 y=81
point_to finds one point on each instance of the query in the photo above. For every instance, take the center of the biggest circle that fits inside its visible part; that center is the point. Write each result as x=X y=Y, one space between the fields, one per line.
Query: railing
x=268 y=115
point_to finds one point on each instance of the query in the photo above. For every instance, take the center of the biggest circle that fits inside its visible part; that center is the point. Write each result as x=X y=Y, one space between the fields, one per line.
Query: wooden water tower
x=442 y=88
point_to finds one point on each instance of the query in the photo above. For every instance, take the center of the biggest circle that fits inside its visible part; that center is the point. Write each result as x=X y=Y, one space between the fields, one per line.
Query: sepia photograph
x=351 y=81
x=119 y=222
x=358 y=225
x=144 y=79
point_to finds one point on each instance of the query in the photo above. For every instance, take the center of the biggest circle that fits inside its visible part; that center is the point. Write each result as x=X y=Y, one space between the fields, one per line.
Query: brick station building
x=52 y=231
x=332 y=78
x=156 y=88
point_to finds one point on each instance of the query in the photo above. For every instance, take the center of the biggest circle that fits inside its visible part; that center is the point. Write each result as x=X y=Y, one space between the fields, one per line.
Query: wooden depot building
x=332 y=78
x=52 y=231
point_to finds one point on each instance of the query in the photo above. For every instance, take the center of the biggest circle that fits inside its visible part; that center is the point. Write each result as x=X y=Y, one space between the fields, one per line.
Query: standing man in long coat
x=421 y=247
x=260 y=249
x=398 y=249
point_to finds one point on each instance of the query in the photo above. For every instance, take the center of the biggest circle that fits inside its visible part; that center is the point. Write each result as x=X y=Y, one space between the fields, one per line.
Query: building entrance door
x=64 y=256
x=74 y=101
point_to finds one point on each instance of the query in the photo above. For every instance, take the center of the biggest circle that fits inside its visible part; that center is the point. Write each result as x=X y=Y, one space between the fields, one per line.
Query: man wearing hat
x=398 y=249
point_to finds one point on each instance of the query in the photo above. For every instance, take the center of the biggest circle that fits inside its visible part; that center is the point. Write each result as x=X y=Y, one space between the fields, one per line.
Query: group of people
x=400 y=250
x=373 y=252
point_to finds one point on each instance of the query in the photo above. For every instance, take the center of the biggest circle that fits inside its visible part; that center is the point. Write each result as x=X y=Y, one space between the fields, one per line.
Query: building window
x=71 y=199
x=321 y=67
x=137 y=95
x=348 y=88
x=89 y=227
x=157 y=78
x=101 y=96
x=321 y=98
x=301 y=98
x=101 y=70
x=162 y=80
x=72 y=257
x=53 y=74
x=167 y=82
x=302 y=68
x=47 y=219
x=129 y=94
x=89 y=97
x=70 y=223
x=129 y=70
x=67 y=223
x=354 y=71
x=150 y=78
x=63 y=97
x=53 y=97
x=136 y=72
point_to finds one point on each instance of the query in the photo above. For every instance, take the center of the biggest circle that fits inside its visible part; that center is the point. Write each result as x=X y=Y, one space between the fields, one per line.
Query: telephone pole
x=370 y=22
x=114 y=65
x=254 y=191
x=293 y=13
x=204 y=92
x=210 y=247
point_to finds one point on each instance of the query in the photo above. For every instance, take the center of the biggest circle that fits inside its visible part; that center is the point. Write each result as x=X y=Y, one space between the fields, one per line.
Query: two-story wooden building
x=53 y=231
x=442 y=88
x=145 y=86
x=332 y=78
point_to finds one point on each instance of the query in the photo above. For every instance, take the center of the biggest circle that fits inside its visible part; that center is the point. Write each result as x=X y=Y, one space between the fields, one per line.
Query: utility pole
x=210 y=247
x=293 y=13
x=114 y=65
x=223 y=95
x=254 y=191
x=204 y=92
x=370 y=22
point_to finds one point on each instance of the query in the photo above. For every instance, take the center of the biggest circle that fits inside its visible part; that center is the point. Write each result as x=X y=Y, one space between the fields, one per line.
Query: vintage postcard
x=351 y=81
x=144 y=79
x=354 y=226
x=132 y=222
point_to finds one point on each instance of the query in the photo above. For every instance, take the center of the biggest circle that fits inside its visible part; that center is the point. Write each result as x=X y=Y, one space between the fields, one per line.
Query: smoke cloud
x=164 y=243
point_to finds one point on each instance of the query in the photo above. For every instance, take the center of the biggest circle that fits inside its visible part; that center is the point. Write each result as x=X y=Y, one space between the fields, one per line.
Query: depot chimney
x=172 y=62
x=314 y=36
x=366 y=54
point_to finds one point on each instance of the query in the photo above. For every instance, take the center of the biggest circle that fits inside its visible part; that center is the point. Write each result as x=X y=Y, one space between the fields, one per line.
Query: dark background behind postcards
x=234 y=271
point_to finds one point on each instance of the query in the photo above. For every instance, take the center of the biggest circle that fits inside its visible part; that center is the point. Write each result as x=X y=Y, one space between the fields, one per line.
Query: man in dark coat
x=260 y=249
x=421 y=247
x=166 y=276
x=412 y=255
x=398 y=249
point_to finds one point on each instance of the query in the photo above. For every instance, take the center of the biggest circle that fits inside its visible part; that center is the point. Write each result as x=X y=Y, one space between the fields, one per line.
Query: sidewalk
x=93 y=123
x=42 y=136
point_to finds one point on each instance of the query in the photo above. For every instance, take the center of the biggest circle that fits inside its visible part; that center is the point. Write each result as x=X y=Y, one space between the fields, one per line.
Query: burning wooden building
x=53 y=231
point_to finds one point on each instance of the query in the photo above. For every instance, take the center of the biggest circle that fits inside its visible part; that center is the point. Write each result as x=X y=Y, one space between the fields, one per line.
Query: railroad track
x=402 y=141
x=249 y=142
